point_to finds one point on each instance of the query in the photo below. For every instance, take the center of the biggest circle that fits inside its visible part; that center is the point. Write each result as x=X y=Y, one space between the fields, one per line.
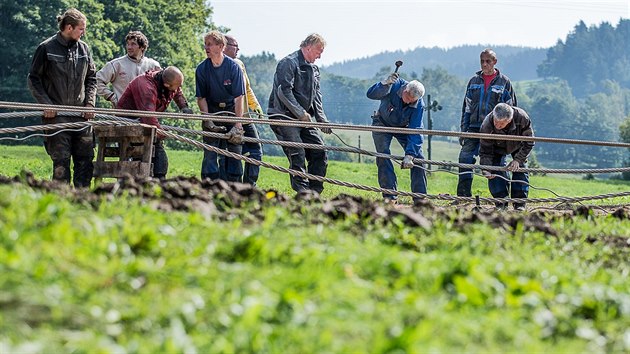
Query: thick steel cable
x=42 y=135
x=326 y=179
x=288 y=121
x=417 y=162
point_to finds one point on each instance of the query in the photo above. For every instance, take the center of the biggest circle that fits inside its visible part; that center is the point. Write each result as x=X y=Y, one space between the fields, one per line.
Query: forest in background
x=579 y=88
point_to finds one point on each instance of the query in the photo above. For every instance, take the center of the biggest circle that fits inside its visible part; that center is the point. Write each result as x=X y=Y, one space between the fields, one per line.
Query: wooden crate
x=123 y=151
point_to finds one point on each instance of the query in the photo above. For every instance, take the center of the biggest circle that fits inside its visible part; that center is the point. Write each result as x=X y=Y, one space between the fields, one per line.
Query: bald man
x=153 y=92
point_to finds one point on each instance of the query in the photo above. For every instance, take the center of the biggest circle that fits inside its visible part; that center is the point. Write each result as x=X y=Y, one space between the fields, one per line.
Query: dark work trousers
x=500 y=188
x=252 y=150
x=210 y=164
x=467 y=154
x=77 y=146
x=160 y=160
x=298 y=157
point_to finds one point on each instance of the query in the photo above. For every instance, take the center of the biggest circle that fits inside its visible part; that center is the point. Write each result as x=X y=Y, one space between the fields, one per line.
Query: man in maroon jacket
x=153 y=92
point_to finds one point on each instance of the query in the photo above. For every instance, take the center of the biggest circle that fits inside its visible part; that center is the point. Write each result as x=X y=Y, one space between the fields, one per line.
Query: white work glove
x=235 y=135
x=390 y=79
x=305 y=117
x=211 y=127
x=407 y=162
x=487 y=174
x=513 y=166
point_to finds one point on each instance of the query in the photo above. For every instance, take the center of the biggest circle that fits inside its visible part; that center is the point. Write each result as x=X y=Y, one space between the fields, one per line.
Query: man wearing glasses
x=487 y=88
x=251 y=149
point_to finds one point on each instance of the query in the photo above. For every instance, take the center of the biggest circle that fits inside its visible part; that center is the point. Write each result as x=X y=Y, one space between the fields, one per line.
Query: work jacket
x=119 y=72
x=521 y=125
x=63 y=73
x=143 y=94
x=296 y=88
x=478 y=101
x=393 y=112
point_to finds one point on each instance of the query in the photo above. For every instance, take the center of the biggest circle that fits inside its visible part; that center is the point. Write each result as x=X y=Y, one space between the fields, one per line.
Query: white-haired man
x=506 y=120
x=401 y=107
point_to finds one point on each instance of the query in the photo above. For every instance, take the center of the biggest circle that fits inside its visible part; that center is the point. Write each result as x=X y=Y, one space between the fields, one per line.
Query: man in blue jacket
x=487 y=88
x=401 y=107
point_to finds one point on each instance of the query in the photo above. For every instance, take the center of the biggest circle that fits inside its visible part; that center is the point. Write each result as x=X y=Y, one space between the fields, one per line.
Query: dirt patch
x=224 y=201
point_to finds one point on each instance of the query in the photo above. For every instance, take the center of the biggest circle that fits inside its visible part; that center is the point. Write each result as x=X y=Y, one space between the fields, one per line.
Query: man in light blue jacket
x=401 y=107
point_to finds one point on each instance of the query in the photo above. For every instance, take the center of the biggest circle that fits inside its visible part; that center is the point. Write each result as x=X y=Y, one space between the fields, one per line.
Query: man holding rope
x=153 y=92
x=63 y=73
x=506 y=120
x=296 y=95
x=220 y=89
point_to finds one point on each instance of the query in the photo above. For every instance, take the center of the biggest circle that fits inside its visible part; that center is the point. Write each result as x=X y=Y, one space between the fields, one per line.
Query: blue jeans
x=298 y=157
x=386 y=175
x=500 y=188
x=469 y=150
x=252 y=150
x=210 y=163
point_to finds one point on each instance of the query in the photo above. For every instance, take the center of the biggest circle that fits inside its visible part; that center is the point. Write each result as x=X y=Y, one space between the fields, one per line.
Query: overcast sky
x=360 y=28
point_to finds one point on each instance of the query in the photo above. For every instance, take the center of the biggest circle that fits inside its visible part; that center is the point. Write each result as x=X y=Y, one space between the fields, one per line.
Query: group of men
x=63 y=73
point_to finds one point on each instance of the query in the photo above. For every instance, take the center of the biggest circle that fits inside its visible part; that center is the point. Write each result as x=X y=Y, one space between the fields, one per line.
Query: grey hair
x=503 y=111
x=313 y=39
x=415 y=88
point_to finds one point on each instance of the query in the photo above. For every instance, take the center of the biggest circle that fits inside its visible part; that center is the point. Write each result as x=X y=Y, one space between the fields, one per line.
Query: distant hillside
x=519 y=63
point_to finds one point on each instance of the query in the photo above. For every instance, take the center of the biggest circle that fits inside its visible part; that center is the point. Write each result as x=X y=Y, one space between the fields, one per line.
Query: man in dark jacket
x=401 y=107
x=153 y=92
x=296 y=95
x=487 y=88
x=63 y=73
x=514 y=121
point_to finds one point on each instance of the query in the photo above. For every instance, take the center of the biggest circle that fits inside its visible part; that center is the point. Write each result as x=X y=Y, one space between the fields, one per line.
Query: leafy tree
x=589 y=56
x=449 y=91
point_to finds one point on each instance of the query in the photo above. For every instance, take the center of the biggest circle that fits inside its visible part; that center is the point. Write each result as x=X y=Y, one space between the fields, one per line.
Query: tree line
x=583 y=91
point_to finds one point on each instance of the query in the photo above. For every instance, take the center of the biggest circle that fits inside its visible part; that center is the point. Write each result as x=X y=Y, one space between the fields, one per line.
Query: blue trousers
x=252 y=150
x=500 y=188
x=210 y=163
x=386 y=174
x=467 y=154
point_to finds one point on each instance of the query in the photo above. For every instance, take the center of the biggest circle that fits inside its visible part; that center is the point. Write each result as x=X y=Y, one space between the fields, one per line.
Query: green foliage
x=124 y=277
x=589 y=56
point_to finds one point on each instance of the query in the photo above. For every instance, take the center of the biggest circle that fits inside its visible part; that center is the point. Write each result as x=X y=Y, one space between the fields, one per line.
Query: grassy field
x=120 y=275
x=14 y=159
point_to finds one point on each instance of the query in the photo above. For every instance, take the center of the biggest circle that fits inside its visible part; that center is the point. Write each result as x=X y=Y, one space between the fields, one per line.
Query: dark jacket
x=521 y=125
x=63 y=73
x=147 y=93
x=296 y=88
x=478 y=102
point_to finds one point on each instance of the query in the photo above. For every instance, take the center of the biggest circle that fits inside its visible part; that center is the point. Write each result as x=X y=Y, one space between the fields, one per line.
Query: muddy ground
x=223 y=200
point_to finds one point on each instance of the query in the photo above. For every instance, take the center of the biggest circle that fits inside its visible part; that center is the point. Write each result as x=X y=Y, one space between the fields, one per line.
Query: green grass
x=14 y=159
x=120 y=275
x=124 y=277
